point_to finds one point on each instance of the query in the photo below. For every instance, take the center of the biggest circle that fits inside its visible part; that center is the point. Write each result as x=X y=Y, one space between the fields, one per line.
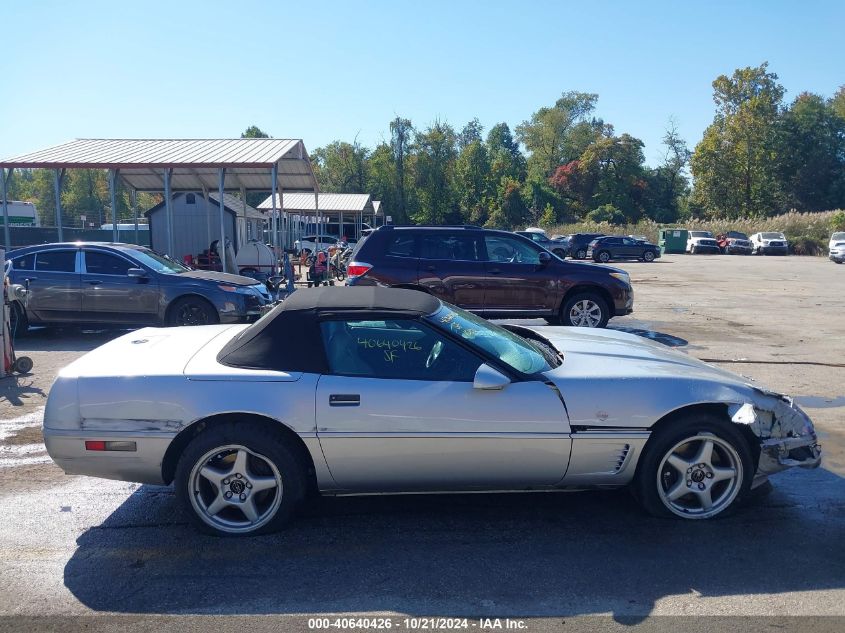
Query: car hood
x=610 y=353
x=220 y=278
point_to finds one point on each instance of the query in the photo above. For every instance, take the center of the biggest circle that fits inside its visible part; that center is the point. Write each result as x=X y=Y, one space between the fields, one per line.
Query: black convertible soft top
x=289 y=339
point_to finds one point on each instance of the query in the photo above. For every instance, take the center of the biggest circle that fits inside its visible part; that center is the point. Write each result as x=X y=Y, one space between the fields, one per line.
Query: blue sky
x=322 y=71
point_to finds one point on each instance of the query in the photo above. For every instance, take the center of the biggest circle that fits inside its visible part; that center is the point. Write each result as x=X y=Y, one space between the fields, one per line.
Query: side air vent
x=622 y=457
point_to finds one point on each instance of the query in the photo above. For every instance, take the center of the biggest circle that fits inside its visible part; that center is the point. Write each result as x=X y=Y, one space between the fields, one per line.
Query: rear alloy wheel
x=585 y=310
x=604 y=257
x=193 y=311
x=648 y=256
x=695 y=469
x=238 y=480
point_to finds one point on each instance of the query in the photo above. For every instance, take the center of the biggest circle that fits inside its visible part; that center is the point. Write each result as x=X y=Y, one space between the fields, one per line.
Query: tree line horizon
x=759 y=157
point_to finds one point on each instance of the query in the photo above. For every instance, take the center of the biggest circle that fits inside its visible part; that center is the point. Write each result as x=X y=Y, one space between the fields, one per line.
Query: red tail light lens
x=357 y=269
x=95 y=445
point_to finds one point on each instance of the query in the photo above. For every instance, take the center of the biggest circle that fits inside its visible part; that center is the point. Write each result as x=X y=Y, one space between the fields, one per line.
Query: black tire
x=553 y=320
x=566 y=311
x=603 y=256
x=192 y=311
x=692 y=250
x=266 y=450
x=581 y=253
x=648 y=256
x=18 y=321
x=656 y=477
x=560 y=253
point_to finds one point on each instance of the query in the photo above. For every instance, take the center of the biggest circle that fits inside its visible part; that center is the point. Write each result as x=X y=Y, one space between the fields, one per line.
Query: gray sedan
x=381 y=390
x=75 y=283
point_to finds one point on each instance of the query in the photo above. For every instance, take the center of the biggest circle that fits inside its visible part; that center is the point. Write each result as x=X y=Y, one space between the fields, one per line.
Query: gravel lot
x=80 y=546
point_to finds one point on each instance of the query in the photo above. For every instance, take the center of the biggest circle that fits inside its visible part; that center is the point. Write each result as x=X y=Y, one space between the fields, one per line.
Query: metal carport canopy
x=169 y=165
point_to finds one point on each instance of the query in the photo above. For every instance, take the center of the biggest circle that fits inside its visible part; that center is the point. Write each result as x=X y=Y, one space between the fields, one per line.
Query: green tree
x=812 y=151
x=470 y=134
x=472 y=182
x=341 y=167
x=253 y=131
x=401 y=137
x=507 y=209
x=435 y=161
x=734 y=165
x=548 y=134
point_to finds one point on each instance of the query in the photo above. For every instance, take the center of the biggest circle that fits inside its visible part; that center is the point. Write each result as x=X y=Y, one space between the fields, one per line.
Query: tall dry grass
x=808 y=233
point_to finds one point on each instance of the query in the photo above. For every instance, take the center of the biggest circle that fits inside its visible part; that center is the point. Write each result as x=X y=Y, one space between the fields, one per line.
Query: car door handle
x=344 y=400
x=429 y=267
x=494 y=271
x=94 y=282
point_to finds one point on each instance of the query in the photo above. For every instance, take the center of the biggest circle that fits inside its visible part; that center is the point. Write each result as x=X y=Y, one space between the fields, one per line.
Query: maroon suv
x=493 y=273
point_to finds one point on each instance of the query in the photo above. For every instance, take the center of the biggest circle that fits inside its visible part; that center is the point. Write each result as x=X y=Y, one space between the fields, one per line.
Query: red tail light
x=357 y=269
x=95 y=445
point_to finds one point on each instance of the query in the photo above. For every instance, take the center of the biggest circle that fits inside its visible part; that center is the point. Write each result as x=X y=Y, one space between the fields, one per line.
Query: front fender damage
x=787 y=436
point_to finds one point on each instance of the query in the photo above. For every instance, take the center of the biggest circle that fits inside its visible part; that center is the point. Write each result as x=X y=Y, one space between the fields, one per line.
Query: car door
x=398 y=412
x=110 y=295
x=631 y=249
x=54 y=286
x=516 y=281
x=451 y=267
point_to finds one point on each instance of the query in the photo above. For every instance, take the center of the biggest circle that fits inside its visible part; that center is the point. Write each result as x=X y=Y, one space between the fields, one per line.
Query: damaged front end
x=787 y=436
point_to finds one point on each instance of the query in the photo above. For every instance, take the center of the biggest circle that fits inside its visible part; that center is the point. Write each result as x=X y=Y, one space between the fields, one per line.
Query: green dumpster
x=672 y=240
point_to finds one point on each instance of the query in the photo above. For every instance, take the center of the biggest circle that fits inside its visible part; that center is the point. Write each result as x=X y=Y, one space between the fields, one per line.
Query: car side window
x=441 y=245
x=97 y=263
x=399 y=349
x=24 y=262
x=501 y=248
x=628 y=242
x=400 y=245
x=56 y=261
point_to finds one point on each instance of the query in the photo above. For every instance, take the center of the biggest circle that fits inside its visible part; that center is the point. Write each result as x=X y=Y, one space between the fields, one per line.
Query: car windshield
x=509 y=348
x=156 y=262
x=700 y=234
x=838 y=236
x=737 y=235
x=772 y=236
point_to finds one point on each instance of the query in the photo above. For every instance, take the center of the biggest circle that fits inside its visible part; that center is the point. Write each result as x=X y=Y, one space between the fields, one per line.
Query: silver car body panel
x=586 y=426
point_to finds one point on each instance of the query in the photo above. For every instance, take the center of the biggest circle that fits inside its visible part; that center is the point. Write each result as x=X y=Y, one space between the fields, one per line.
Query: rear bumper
x=773 y=250
x=744 y=250
x=143 y=465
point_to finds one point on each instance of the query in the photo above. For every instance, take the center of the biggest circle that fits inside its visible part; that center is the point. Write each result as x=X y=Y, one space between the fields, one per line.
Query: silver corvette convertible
x=362 y=390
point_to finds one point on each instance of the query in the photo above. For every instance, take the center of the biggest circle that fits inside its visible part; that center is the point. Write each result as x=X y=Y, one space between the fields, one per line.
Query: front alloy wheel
x=699 y=476
x=695 y=467
x=585 y=310
x=604 y=257
x=648 y=256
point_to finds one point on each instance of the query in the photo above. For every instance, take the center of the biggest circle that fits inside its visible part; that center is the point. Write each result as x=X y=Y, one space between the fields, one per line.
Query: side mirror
x=489 y=379
x=138 y=273
x=545 y=258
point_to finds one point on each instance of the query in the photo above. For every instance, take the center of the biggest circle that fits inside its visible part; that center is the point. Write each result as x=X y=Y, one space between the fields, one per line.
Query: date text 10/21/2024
x=417 y=623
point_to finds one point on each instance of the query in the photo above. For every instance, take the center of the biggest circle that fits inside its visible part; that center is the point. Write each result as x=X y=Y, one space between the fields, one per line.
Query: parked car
x=309 y=242
x=389 y=390
x=557 y=248
x=836 y=246
x=578 y=243
x=493 y=273
x=92 y=282
x=769 y=243
x=701 y=242
x=603 y=249
x=734 y=242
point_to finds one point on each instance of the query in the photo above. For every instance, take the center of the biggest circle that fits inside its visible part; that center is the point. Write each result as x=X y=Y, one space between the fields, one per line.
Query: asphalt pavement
x=78 y=553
